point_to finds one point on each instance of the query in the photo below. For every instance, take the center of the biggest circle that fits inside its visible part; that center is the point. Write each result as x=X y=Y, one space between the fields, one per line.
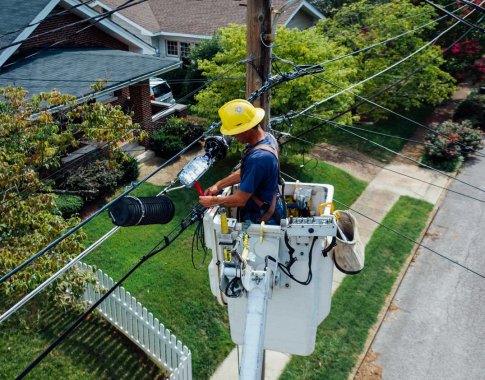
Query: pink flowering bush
x=451 y=144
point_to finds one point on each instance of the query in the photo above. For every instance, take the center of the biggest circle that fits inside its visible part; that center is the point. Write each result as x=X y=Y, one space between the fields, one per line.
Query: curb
x=387 y=304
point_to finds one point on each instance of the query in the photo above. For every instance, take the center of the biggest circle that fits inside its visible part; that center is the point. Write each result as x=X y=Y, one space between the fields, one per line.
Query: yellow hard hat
x=239 y=116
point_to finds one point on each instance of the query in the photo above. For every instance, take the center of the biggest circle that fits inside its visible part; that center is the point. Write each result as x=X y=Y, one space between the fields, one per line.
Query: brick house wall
x=90 y=38
x=141 y=106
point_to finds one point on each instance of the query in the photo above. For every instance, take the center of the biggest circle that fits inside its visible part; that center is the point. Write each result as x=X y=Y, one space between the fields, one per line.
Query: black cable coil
x=133 y=211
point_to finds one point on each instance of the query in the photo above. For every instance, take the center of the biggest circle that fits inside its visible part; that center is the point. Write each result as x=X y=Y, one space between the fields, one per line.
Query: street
x=435 y=328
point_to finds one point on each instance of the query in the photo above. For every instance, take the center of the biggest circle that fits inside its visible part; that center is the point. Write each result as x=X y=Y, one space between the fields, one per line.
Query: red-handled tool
x=199 y=189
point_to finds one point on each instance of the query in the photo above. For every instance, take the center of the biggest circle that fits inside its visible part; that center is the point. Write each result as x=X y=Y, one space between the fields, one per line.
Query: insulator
x=133 y=211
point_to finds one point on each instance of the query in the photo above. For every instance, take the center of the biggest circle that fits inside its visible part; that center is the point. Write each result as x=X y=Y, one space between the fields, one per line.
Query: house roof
x=18 y=21
x=73 y=70
x=14 y=21
x=201 y=18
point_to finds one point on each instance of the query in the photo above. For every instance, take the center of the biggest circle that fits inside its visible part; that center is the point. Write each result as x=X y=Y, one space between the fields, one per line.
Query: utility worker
x=259 y=172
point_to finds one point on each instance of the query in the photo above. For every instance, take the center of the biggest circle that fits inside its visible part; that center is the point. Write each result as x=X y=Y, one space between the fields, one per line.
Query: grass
x=395 y=126
x=94 y=351
x=168 y=285
x=358 y=300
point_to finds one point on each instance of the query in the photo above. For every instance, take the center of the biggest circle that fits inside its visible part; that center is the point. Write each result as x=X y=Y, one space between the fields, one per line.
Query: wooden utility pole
x=259 y=51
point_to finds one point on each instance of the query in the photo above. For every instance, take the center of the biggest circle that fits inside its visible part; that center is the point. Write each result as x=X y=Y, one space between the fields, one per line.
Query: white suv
x=161 y=91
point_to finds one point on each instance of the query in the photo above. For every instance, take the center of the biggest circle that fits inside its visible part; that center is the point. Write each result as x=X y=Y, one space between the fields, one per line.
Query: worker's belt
x=268 y=209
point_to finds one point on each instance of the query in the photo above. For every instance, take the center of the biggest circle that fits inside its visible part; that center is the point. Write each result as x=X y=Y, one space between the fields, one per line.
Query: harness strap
x=269 y=209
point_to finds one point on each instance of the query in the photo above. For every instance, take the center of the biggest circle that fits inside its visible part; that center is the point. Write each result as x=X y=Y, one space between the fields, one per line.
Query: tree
x=32 y=140
x=364 y=23
x=299 y=47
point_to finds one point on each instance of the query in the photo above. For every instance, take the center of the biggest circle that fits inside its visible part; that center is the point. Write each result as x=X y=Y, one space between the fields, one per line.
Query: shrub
x=68 y=205
x=472 y=109
x=454 y=143
x=93 y=180
x=129 y=168
x=185 y=129
x=166 y=145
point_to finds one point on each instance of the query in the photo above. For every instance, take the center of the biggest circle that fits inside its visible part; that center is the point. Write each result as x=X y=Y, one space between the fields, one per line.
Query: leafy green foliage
x=129 y=168
x=300 y=47
x=32 y=140
x=174 y=136
x=473 y=109
x=454 y=143
x=361 y=24
x=359 y=299
x=68 y=205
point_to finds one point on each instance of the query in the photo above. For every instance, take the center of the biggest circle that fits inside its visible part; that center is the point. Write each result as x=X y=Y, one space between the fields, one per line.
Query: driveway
x=435 y=327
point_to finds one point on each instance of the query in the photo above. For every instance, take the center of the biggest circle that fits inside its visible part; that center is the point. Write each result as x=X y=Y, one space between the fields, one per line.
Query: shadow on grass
x=95 y=350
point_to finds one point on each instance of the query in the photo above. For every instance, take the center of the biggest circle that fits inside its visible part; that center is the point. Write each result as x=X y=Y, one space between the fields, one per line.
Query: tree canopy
x=32 y=140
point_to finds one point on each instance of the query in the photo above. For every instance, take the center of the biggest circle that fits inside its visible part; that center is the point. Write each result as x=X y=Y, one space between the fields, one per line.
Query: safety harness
x=269 y=209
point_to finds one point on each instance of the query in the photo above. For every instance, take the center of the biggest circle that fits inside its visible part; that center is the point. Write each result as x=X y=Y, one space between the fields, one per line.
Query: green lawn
x=94 y=351
x=167 y=285
x=358 y=300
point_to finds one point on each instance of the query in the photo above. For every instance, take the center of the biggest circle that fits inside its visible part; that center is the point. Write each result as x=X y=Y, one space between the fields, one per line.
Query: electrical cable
x=460 y=19
x=46 y=18
x=377 y=93
x=388 y=68
x=341 y=127
x=473 y=5
x=58 y=29
x=342 y=154
x=412 y=240
x=106 y=206
x=193 y=216
x=198 y=244
x=392 y=112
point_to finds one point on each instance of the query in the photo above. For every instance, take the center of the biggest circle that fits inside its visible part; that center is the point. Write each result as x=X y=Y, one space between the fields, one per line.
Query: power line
x=46 y=18
x=342 y=154
x=341 y=127
x=402 y=235
x=58 y=29
x=388 y=68
x=460 y=19
x=392 y=112
x=195 y=214
x=473 y=5
x=381 y=91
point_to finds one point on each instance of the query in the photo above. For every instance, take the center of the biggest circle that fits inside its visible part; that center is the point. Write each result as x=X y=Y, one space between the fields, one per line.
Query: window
x=172 y=48
x=184 y=49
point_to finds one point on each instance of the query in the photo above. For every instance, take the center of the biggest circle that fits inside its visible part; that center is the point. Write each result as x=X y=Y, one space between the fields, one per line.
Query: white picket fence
x=129 y=316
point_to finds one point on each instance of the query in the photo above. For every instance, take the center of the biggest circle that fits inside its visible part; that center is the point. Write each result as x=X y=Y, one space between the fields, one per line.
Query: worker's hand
x=205 y=201
x=213 y=190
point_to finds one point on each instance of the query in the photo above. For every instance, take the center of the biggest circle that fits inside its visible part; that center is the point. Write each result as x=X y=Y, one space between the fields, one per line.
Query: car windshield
x=160 y=89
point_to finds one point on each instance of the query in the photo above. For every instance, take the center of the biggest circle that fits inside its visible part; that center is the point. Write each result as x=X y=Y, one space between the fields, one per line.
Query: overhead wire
x=380 y=91
x=343 y=154
x=402 y=235
x=341 y=127
x=101 y=17
x=421 y=125
x=167 y=240
x=460 y=19
x=47 y=18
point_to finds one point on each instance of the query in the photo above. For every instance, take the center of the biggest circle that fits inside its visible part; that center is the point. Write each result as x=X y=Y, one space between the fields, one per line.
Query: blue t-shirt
x=260 y=173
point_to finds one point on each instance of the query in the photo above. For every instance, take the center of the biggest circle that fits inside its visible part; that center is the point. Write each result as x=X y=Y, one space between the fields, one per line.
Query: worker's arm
x=238 y=199
x=230 y=180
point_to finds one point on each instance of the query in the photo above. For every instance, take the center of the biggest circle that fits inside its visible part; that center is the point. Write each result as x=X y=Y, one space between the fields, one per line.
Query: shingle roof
x=16 y=15
x=73 y=70
x=198 y=17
